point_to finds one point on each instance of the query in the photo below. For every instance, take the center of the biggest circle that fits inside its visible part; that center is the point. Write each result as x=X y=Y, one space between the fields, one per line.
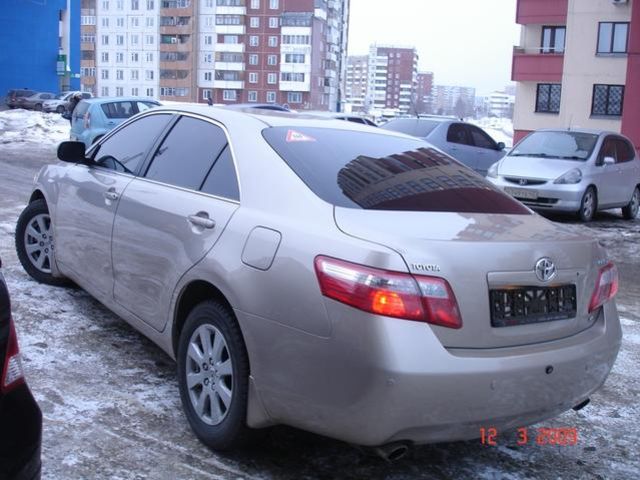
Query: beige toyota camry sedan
x=338 y=278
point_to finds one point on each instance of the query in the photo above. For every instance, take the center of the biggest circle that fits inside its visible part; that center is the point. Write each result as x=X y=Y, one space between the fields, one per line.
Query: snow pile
x=500 y=129
x=23 y=126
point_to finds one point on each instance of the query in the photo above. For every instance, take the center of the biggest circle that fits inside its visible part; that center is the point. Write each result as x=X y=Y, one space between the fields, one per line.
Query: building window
x=105 y=39
x=208 y=58
x=104 y=74
x=548 y=98
x=273 y=41
x=253 y=59
x=134 y=91
x=254 y=40
x=134 y=57
x=255 y=4
x=135 y=4
x=273 y=4
x=148 y=40
x=296 y=39
x=148 y=75
x=208 y=39
x=613 y=37
x=105 y=22
x=134 y=74
x=553 y=39
x=230 y=39
x=119 y=57
x=254 y=22
x=294 y=58
x=134 y=39
x=253 y=96
x=229 y=95
x=119 y=39
x=272 y=78
x=272 y=60
x=104 y=92
x=273 y=22
x=120 y=4
x=271 y=97
x=150 y=5
x=120 y=22
x=119 y=91
x=148 y=57
x=149 y=92
x=104 y=56
x=607 y=100
x=119 y=74
x=135 y=22
x=294 y=97
x=150 y=21
x=253 y=77
x=208 y=76
x=206 y=94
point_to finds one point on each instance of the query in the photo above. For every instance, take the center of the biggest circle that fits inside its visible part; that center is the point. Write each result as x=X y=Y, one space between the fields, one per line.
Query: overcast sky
x=464 y=42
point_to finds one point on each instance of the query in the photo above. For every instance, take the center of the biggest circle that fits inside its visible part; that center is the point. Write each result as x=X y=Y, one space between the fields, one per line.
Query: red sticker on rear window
x=294 y=136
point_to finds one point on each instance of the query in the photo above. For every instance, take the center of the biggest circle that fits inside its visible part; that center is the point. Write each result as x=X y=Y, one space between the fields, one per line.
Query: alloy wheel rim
x=635 y=203
x=587 y=208
x=209 y=374
x=38 y=242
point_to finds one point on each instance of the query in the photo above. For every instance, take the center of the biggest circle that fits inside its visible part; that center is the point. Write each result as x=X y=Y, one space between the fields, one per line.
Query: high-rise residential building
x=268 y=51
x=578 y=65
x=453 y=100
x=424 y=86
x=500 y=104
x=356 y=82
x=88 y=21
x=41 y=45
x=393 y=76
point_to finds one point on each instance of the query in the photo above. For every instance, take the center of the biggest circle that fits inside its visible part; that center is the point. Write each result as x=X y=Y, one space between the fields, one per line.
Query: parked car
x=61 y=103
x=575 y=170
x=14 y=95
x=263 y=106
x=20 y=416
x=94 y=117
x=349 y=117
x=466 y=143
x=346 y=280
x=35 y=101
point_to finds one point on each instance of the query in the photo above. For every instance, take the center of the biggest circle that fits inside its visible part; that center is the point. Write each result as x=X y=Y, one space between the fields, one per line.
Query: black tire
x=38 y=107
x=630 y=211
x=232 y=431
x=588 y=205
x=60 y=109
x=28 y=215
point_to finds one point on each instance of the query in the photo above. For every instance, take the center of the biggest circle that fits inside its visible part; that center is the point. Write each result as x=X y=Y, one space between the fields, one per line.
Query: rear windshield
x=560 y=145
x=418 y=127
x=382 y=172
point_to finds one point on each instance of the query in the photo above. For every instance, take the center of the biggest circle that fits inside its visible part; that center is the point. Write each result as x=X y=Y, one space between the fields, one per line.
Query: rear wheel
x=588 y=205
x=213 y=376
x=630 y=211
x=34 y=243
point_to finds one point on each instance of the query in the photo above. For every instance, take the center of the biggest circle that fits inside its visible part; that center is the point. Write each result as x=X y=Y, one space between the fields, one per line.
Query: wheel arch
x=38 y=195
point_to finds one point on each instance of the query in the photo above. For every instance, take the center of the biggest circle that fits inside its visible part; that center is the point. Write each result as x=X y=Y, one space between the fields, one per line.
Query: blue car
x=93 y=118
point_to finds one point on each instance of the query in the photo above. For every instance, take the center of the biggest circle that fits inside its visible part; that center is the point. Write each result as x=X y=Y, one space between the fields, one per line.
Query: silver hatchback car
x=335 y=277
x=576 y=170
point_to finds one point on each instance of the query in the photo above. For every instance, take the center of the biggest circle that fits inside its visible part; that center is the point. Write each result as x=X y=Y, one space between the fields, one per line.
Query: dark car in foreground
x=20 y=416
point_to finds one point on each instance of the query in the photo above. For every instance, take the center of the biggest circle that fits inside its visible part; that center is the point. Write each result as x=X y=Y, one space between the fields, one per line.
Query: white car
x=60 y=103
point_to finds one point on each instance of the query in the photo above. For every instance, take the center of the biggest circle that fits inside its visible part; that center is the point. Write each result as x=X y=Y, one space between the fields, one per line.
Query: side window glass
x=457 y=134
x=142 y=106
x=624 y=151
x=118 y=109
x=481 y=139
x=222 y=180
x=126 y=149
x=187 y=153
x=608 y=149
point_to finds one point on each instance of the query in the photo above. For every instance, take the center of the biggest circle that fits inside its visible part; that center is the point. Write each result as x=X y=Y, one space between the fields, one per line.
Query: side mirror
x=72 y=152
x=501 y=146
x=609 y=160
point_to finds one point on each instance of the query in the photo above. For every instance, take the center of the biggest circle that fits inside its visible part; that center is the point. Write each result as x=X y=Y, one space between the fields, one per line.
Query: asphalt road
x=111 y=406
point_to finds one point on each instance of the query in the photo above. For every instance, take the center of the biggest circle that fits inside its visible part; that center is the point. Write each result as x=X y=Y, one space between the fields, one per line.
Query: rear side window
x=187 y=154
x=222 y=180
x=481 y=139
x=457 y=133
x=382 y=172
x=625 y=152
x=119 y=109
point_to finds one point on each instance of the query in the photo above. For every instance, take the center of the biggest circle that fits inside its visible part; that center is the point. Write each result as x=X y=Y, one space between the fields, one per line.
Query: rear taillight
x=392 y=294
x=606 y=286
x=13 y=374
x=87 y=120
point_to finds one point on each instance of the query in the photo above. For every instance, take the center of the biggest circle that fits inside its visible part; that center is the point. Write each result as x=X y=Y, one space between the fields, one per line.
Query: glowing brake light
x=606 y=286
x=392 y=294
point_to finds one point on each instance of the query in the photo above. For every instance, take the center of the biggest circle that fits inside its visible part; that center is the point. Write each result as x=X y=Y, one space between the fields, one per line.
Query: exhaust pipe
x=581 y=405
x=392 y=452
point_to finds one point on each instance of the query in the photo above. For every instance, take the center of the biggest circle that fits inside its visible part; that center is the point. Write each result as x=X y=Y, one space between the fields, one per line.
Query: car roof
x=593 y=131
x=99 y=100
x=272 y=118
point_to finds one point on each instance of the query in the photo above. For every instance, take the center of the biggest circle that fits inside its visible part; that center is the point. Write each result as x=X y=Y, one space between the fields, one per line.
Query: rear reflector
x=13 y=374
x=606 y=286
x=392 y=294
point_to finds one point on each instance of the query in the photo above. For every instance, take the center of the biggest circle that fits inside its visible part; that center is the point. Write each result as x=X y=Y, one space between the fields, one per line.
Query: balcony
x=530 y=66
x=541 y=11
x=229 y=84
x=230 y=47
x=231 y=10
x=230 y=29
x=231 y=66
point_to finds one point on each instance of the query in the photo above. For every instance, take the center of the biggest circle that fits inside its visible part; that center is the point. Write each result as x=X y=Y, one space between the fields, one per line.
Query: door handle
x=201 y=219
x=111 y=195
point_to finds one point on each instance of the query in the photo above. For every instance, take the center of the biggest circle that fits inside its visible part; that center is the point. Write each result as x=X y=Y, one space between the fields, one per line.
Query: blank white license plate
x=524 y=193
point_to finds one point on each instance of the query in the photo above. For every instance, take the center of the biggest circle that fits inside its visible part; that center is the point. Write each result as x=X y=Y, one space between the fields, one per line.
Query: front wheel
x=630 y=211
x=213 y=376
x=588 y=205
x=35 y=245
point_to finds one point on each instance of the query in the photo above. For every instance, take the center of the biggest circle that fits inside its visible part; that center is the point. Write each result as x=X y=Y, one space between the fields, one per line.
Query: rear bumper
x=20 y=441
x=379 y=380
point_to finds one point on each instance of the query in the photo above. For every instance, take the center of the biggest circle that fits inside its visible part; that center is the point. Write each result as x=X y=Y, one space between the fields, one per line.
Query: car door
x=459 y=145
x=169 y=218
x=88 y=199
x=607 y=176
x=628 y=170
x=486 y=149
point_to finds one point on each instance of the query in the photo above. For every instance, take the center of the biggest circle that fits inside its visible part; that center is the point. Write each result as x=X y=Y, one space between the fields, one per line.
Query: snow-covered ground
x=110 y=398
x=19 y=126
